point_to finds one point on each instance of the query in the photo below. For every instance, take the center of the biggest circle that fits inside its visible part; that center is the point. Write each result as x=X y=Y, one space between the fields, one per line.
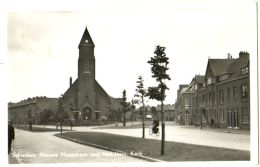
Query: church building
x=85 y=100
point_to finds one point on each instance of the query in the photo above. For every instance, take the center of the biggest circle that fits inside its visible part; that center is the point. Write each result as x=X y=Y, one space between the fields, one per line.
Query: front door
x=187 y=118
x=233 y=119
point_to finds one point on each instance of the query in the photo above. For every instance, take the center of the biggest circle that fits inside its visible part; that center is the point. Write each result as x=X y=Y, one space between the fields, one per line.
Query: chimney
x=229 y=56
x=243 y=53
x=70 y=81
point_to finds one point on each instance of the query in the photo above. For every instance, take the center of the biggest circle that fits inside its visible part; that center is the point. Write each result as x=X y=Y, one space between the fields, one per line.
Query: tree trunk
x=124 y=119
x=60 y=126
x=30 y=125
x=201 y=119
x=163 y=131
x=132 y=117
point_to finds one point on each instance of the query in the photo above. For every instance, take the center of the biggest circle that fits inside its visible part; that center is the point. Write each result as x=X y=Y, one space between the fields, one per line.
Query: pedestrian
x=155 y=126
x=212 y=122
x=11 y=135
x=71 y=124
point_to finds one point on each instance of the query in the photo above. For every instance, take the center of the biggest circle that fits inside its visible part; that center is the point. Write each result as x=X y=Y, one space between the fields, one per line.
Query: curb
x=218 y=130
x=110 y=149
x=226 y=131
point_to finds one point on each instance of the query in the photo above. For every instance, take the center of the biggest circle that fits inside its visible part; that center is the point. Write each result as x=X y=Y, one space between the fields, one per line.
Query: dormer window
x=223 y=77
x=86 y=41
x=244 y=71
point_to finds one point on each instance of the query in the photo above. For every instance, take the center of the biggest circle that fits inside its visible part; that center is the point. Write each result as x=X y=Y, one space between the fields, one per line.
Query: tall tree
x=159 y=68
x=140 y=94
x=125 y=107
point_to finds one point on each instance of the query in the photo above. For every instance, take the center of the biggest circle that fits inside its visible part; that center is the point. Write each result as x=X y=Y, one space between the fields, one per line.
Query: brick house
x=33 y=109
x=187 y=106
x=223 y=97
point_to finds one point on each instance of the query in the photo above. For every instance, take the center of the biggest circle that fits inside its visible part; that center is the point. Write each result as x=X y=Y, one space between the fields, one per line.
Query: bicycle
x=151 y=132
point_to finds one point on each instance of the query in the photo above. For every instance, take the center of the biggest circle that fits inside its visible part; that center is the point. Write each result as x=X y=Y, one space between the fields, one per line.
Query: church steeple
x=86 y=72
x=86 y=39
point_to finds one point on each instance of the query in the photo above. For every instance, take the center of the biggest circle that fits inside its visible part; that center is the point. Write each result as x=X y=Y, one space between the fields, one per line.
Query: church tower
x=86 y=76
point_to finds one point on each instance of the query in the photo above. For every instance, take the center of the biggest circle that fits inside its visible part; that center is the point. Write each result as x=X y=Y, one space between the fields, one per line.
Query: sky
x=42 y=43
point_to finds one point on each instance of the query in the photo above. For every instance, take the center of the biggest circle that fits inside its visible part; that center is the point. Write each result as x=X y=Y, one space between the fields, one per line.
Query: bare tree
x=140 y=95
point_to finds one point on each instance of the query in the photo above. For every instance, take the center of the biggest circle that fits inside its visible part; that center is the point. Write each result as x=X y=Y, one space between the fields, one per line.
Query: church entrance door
x=87 y=113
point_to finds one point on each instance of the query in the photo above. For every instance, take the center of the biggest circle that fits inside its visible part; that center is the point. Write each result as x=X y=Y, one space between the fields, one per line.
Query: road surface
x=44 y=147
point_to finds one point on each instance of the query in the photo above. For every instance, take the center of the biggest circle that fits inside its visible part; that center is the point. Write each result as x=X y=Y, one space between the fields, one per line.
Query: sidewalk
x=223 y=130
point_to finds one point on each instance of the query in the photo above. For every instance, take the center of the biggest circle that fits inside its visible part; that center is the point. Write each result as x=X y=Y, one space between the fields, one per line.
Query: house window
x=244 y=91
x=186 y=102
x=228 y=94
x=244 y=71
x=209 y=81
x=234 y=93
x=196 y=86
x=221 y=96
x=245 y=116
x=203 y=99
x=223 y=77
x=87 y=66
x=223 y=116
x=209 y=102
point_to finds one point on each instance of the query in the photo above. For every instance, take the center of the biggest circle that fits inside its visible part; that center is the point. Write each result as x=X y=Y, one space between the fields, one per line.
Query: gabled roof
x=86 y=39
x=220 y=66
x=229 y=66
x=99 y=88
x=199 y=78
x=72 y=88
x=241 y=62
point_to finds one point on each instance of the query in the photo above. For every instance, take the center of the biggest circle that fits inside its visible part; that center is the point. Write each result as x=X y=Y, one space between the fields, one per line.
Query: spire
x=86 y=39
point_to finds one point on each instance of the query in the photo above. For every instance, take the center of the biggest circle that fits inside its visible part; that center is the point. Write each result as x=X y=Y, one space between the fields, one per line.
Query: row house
x=153 y=113
x=35 y=110
x=169 y=111
x=223 y=96
x=186 y=106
